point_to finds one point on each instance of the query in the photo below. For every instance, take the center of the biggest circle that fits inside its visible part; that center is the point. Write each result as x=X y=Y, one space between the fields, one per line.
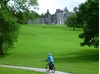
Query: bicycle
x=50 y=67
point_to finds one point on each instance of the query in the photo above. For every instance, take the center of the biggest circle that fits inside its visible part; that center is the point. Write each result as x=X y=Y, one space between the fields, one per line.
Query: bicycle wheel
x=47 y=67
x=53 y=69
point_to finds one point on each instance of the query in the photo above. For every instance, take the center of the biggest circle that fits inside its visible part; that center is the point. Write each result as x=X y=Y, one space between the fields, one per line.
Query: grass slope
x=35 y=42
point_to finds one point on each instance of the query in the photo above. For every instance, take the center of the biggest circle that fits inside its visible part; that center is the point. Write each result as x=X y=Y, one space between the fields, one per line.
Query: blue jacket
x=50 y=58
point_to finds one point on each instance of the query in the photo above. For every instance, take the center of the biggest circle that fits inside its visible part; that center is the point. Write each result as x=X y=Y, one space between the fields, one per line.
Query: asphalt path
x=34 y=69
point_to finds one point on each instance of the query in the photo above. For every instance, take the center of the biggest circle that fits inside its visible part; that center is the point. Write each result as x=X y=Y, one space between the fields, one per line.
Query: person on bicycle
x=51 y=60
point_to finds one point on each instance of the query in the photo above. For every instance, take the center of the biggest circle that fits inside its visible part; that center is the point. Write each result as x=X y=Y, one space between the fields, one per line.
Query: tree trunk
x=1 y=48
x=74 y=27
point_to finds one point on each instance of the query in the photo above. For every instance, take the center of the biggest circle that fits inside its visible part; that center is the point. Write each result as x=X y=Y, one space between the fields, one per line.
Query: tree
x=21 y=9
x=8 y=30
x=34 y=15
x=88 y=14
x=20 y=17
x=23 y=17
x=22 y=5
x=71 y=21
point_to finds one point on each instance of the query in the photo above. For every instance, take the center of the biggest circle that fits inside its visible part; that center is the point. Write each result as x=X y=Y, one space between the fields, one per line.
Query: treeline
x=23 y=17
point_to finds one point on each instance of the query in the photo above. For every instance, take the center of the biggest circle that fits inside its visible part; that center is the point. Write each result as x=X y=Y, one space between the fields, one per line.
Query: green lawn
x=35 y=42
x=16 y=71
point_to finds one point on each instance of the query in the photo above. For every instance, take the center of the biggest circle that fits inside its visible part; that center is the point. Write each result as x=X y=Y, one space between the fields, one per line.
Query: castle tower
x=48 y=17
x=75 y=9
x=59 y=16
x=66 y=14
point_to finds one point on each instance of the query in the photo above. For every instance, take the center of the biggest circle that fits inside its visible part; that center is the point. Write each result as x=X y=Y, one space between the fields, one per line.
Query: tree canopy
x=88 y=15
x=22 y=5
x=8 y=30
x=23 y=17
x=71 y=21
x=21 y=9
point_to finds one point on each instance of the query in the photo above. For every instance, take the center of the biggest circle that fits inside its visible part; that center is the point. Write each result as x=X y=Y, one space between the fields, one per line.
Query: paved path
x=34 y=69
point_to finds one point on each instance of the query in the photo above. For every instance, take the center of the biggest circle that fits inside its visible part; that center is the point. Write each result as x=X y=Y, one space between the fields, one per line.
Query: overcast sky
x=52 y=5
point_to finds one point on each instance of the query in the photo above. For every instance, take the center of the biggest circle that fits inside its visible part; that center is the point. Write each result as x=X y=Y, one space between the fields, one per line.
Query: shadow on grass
x=4 y=55
x=79 y=57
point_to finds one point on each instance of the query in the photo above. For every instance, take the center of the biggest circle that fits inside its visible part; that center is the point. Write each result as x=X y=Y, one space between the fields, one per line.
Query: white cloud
x=52 y=5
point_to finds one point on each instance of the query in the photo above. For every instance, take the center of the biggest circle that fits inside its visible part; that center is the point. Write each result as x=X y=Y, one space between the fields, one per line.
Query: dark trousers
x=50 y=65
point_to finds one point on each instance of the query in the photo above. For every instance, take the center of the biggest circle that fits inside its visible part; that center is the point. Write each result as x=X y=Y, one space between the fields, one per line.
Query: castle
x=60 y=17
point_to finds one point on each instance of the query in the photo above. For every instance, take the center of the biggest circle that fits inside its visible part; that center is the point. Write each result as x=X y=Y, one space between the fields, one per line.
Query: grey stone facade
x=60 y=17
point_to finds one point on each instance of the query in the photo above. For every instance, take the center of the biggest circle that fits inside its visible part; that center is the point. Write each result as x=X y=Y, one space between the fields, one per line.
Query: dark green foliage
x=34 y=15
x=88 y=15
x=8 y=30
x=71 y=22
x=23 y=17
